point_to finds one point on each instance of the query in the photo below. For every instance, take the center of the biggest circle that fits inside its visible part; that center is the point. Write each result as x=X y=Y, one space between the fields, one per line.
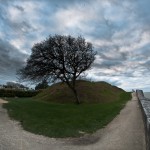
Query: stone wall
x=145 y=107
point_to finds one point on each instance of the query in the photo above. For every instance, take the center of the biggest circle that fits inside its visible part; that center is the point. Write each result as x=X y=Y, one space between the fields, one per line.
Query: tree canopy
x=59 y=57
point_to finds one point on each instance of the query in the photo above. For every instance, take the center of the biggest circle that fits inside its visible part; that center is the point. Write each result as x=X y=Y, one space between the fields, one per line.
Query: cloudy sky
x=118 y=29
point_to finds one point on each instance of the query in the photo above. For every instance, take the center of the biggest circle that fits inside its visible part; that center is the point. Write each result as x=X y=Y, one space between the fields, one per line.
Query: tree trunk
x=72 y=87
x=76 y=96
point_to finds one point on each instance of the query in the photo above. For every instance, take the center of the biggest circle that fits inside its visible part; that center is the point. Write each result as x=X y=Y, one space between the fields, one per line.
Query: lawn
x=63 y=120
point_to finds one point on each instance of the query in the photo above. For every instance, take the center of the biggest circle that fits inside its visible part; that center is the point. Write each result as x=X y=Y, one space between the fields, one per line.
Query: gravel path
x=3 y=101
x=125 y=132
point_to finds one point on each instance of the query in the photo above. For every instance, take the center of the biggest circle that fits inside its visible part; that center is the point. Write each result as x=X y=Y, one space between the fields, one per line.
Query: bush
x=17 y=93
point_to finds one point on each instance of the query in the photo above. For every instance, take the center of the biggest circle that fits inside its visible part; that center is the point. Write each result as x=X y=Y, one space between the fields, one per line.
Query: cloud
x=11 y=59
x=19 y=8
x=119 y=31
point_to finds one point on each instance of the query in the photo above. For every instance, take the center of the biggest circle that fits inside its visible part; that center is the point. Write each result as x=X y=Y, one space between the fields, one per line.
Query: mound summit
x=88 y=92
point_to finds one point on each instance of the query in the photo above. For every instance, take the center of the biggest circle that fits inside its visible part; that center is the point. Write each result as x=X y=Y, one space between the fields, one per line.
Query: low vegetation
x=45 y=116
x=17 y=93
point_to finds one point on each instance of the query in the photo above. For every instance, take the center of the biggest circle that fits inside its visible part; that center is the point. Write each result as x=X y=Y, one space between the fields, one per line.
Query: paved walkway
x=3 y=101
x=125 y=132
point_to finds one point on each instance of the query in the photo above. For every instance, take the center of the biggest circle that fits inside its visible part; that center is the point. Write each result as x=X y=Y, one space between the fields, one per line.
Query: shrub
x=17 y=93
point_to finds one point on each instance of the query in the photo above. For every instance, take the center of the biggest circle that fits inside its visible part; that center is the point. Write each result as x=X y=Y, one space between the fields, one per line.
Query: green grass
x=63 y=120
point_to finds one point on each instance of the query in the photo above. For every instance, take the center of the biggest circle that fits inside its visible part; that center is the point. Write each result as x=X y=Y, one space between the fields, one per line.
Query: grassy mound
x=88 y=92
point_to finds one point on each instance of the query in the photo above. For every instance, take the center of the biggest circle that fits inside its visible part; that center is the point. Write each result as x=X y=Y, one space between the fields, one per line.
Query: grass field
x=63 y=120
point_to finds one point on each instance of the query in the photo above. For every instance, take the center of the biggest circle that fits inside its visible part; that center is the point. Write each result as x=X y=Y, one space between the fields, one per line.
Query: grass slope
x=63 y=120
x=68 y=119
x=89 y=92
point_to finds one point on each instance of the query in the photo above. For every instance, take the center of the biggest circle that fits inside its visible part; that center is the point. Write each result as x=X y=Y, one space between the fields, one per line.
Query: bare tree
x=59 y=57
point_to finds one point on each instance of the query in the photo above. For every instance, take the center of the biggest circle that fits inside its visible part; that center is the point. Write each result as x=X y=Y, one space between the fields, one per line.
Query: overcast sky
x=118 y=29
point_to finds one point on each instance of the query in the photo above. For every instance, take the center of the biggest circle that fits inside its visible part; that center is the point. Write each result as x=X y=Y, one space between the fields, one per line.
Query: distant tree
x=59 y=57
x=42 y=85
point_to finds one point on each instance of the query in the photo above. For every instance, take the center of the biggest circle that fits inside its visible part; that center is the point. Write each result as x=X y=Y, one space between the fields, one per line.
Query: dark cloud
x=19 y=7
x=107 y=64
x=11 y=59
x=110 y=57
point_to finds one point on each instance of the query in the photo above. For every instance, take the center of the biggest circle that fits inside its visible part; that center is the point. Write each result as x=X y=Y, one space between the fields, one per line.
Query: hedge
x=17 y=93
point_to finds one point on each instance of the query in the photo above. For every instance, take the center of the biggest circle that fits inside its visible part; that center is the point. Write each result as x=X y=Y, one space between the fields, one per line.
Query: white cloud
x=18 y=43
x=14 y=14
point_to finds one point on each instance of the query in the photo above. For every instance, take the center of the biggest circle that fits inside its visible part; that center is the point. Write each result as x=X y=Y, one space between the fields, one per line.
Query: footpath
x=125 y=132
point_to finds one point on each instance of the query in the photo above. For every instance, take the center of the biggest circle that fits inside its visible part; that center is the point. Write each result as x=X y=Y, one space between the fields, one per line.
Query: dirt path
x=3 y=101
x=125 y=132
